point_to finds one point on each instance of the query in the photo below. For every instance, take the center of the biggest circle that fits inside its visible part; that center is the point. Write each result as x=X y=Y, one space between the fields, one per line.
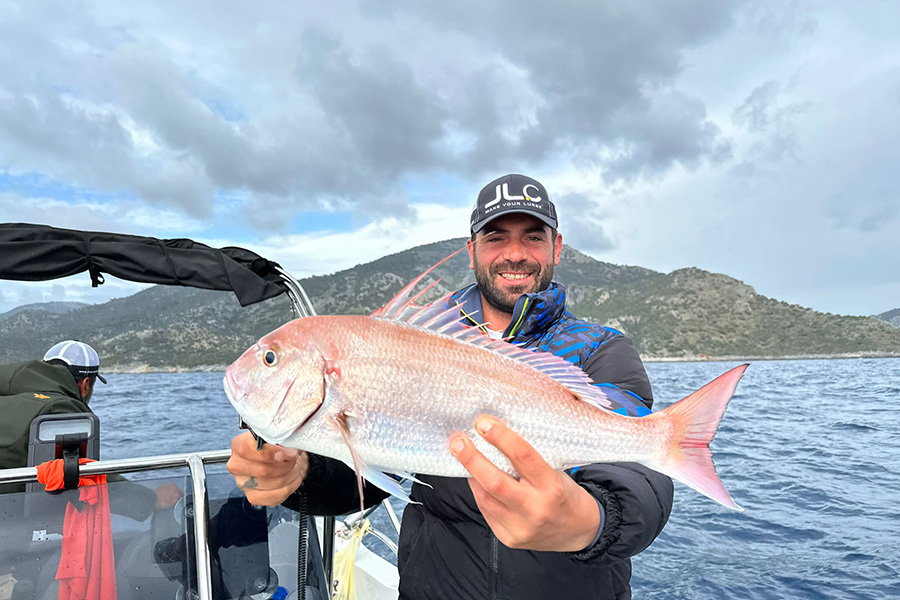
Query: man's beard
x=504 y=298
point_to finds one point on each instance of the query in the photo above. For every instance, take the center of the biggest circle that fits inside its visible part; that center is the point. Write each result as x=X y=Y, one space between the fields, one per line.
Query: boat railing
x=196 y=463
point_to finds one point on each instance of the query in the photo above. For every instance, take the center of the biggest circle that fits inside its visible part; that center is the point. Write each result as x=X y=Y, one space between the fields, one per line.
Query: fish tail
x=693 y=422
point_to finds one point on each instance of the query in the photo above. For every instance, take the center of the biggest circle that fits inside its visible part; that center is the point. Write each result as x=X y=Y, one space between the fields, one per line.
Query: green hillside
x=686 y=314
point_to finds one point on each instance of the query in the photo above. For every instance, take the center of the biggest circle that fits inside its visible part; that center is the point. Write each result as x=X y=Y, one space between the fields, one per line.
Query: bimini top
x=39 y=253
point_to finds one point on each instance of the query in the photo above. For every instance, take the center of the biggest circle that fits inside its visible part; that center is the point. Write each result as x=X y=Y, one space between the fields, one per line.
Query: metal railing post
x=328 y=550
x=201 y=541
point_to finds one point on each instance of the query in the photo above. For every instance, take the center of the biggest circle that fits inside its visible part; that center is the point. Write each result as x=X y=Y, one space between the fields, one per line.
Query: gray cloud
x=593 y=73
x=582 y=223
x=42 y=131
x=773 y=127
x=358 y=108
x=781 y=22
x=393 y=123
x=868 y=202
x=762 y=111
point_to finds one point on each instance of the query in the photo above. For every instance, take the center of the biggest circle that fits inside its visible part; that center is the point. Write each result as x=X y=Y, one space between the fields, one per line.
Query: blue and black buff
x=540 y=321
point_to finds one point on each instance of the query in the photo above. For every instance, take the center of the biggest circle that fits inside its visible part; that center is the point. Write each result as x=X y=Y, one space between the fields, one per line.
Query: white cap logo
x=506 y=196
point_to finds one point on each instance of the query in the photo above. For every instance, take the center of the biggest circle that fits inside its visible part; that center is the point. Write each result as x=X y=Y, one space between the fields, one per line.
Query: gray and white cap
x=83 y=360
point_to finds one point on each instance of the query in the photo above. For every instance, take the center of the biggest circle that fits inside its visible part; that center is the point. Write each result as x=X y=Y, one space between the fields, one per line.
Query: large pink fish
x=384 y=393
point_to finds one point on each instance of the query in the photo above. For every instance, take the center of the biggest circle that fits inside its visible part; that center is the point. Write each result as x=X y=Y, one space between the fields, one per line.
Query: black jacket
x=446 y=548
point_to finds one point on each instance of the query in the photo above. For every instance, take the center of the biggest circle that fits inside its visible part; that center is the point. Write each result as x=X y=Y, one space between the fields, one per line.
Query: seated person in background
x=63 y=382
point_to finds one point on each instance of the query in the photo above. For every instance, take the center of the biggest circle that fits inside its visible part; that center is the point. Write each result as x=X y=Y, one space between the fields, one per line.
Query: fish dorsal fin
x=402 y=303
x=447 y=319
x=562 y=371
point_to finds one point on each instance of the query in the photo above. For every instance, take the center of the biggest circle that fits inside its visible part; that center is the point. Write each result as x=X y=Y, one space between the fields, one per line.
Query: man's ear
x=85 y=389
x=557 y=249
x=470 y=245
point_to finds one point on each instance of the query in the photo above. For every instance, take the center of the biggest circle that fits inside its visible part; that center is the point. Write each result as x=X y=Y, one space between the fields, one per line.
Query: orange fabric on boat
x=50 y=474
x=87 y=566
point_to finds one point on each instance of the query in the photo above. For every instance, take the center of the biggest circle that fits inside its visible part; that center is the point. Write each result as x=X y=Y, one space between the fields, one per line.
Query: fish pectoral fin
x=384 y=481
x=377 y=476
x=359 y=465
x=403 y=475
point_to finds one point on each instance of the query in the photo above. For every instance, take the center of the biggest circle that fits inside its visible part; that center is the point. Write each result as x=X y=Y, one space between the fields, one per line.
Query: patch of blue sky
x=229 y=220
x=62 y=90
x=38 y=185
x=439 y=188
x=426 y=189
x=227 y=110
x=226 y=221
x=324 y=221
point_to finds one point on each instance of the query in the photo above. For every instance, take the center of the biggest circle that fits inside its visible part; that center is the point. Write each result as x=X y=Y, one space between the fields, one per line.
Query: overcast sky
x=756 y=139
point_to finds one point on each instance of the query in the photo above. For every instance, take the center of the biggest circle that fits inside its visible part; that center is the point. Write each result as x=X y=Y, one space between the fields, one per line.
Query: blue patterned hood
x=540 y=321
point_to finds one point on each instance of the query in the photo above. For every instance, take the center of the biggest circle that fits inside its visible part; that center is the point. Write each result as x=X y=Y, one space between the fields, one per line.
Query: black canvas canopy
x=39 y=253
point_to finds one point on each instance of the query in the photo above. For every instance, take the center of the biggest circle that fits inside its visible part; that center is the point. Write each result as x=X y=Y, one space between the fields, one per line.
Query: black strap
x=70 y=468
x=96 y=276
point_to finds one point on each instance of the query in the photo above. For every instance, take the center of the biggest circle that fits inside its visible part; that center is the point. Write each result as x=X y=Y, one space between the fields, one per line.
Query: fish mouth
x=266 y=427
x=236 y=395
x=231 y=386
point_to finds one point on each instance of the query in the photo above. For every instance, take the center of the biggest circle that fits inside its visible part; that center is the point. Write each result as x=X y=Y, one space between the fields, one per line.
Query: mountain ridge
x=891 y=316
x=688 y=314
x=51 y=307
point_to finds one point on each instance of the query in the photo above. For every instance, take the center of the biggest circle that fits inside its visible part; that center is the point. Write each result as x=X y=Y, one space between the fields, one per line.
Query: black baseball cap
x=512 y=194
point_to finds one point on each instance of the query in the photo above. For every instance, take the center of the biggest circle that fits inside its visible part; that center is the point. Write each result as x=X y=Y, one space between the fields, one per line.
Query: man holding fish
x=490 y=396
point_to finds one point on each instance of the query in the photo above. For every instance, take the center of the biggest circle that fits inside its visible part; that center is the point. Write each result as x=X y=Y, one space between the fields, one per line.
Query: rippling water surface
x=811 y=450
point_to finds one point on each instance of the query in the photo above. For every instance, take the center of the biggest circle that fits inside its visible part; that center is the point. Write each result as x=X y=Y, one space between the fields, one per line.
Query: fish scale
x=431 y=411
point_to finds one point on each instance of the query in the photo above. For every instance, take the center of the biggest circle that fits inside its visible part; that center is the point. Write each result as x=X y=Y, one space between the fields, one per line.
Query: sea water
x=810 y=449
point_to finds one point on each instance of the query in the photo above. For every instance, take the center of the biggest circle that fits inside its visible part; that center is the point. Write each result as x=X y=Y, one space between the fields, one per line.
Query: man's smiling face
x=513 y=255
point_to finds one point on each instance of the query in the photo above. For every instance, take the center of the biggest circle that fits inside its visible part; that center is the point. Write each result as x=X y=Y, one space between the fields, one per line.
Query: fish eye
x=270 y=358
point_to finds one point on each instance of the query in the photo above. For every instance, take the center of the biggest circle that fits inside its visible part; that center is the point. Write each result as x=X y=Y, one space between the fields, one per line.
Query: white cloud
x=327 y=252
x=76 y=288
x=755 y=139
x=121 y=216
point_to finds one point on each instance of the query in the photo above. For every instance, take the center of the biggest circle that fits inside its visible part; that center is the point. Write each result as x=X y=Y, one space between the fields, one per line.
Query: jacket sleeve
x=636 y=505
x=330 y=488
x=617 y=362
x=636 y=500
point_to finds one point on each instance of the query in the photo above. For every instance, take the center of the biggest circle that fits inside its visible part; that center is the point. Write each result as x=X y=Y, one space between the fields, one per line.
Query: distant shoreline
x=768 y=358
x=138 y=369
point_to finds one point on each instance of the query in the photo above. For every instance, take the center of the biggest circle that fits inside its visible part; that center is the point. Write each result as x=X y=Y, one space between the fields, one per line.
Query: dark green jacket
x=28 y=390
x=33 y=388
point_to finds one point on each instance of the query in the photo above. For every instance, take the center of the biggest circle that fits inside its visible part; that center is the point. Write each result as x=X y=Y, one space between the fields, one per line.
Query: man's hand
x=266 y=476
x=544 y=510
x=168 y=495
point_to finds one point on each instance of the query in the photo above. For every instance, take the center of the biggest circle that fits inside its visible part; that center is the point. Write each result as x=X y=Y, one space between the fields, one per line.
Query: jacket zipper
x=494 y=582
x=517 y=321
